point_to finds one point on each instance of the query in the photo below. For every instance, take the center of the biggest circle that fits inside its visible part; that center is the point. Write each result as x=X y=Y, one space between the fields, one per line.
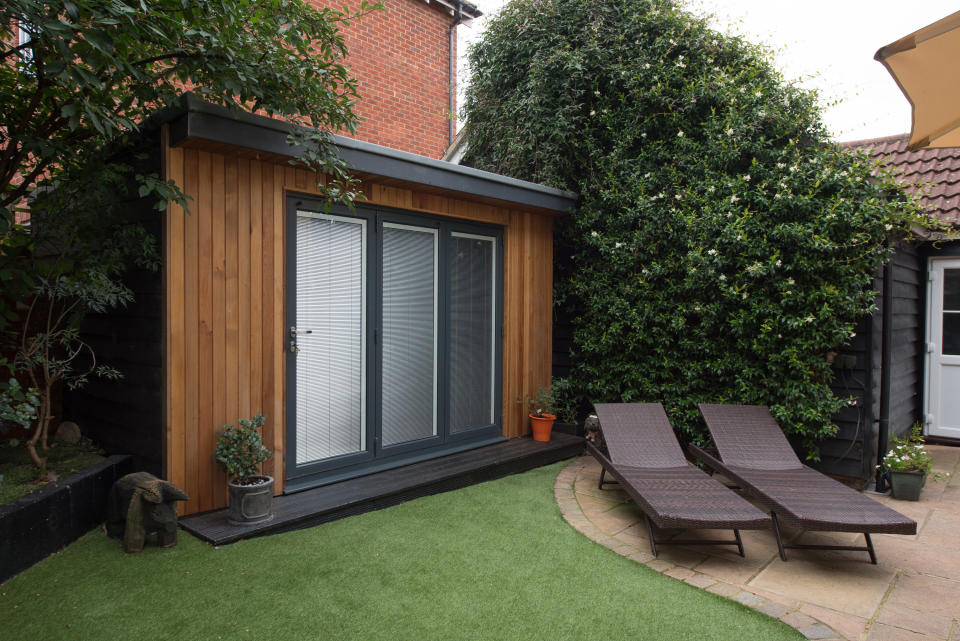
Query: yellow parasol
x=926 y=66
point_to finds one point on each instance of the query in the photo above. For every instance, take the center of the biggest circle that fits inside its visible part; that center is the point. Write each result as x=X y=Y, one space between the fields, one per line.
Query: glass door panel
x=472 y=336
x=330 y=323
x=408 y=392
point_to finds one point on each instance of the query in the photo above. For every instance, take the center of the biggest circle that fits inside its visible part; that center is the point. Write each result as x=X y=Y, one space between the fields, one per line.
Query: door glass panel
x=951 y=333
x=331 y=375
x=951 y=289
x=409 y=365
x=472 y=326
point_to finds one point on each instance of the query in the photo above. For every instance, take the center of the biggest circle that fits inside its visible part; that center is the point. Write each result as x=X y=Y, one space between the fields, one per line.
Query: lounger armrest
x=712 y=462
x=594 y=451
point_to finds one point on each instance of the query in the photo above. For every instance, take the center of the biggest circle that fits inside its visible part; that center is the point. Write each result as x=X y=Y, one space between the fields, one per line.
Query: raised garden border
x=42 y=522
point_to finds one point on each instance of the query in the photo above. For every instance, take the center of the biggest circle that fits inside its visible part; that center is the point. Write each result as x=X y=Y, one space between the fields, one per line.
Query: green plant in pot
x=543 y=413
x=240 y=450
x=907 y=465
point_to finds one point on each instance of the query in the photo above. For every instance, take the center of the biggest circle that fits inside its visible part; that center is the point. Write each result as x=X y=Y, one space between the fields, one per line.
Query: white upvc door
x=943 y=349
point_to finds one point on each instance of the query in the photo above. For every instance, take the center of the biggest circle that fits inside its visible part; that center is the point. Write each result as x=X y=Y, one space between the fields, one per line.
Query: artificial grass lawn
x=493 y=561
x=20 y=474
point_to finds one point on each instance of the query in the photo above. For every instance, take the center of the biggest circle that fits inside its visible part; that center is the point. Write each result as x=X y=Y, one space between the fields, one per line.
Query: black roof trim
x=206 y=121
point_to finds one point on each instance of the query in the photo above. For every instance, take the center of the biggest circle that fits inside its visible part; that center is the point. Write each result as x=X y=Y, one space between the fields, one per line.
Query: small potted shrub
x=907 y=465
x=542 y=413
x=240 y=450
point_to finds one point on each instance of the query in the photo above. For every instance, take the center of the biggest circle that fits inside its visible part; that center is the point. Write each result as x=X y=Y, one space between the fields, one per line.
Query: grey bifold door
x=408 y=370
x=331 y=320
x=394 y=340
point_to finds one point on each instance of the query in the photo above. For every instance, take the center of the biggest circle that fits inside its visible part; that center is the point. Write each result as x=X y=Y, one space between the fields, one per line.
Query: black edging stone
x=42 y=522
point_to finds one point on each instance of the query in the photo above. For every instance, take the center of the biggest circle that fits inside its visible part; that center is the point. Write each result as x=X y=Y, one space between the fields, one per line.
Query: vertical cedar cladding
x=224 y=293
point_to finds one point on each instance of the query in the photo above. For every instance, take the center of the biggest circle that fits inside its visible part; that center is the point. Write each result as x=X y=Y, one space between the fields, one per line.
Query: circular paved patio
x=913 y=594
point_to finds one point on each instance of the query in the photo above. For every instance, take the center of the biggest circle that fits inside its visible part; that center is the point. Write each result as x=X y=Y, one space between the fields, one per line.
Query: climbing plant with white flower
x=714 y=299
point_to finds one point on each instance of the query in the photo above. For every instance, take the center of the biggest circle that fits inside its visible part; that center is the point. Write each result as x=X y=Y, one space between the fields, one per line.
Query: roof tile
x=934 y=174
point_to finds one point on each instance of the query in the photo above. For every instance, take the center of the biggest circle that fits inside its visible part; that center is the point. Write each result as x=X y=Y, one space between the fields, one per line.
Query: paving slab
x=849 y=586
x=883 y=632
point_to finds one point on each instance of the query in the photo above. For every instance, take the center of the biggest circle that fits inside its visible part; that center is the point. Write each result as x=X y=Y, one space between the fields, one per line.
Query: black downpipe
x=886 y=373
x=451 y=73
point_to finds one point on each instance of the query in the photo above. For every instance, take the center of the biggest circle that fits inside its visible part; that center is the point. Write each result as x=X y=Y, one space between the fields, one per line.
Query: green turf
x=493 y=561
x=20 y=474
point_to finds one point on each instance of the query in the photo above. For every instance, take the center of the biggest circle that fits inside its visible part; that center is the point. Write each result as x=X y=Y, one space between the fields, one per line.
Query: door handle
x=294 y=332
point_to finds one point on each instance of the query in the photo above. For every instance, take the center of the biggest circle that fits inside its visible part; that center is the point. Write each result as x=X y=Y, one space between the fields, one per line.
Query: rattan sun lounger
x=647 y=461
x=757 y=456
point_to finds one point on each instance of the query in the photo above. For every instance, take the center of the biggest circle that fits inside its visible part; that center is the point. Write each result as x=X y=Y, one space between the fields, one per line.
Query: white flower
x=730 y=131
x=711 y=189
x=712 y=252
x=594 y=234
x=791 y=281
x=888 y=226
x=747 y=177
x=596 y=93
x=680 y=134
x=734 y=198
x=778 y=263
x=678 y=196
x=646 y=65
x=646 y=175
x=593 y=112
x=781 y=165
x=723 y=277
x=618 y=245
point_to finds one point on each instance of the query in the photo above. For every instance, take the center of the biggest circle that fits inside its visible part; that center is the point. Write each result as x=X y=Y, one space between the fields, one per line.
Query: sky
x=826 y=45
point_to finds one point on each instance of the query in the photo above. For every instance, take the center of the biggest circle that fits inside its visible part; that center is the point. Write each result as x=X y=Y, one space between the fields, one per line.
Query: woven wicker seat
x=756 y=454
x=649 y=464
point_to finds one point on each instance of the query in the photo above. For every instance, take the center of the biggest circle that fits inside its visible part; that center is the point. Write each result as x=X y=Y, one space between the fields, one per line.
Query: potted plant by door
x=542 y=414
x=240 y=450
x=907 y=465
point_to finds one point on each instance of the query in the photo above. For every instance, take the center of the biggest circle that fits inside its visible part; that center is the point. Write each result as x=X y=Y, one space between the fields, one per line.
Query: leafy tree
x=77 y=82
x=89 y=72
x=723 y=245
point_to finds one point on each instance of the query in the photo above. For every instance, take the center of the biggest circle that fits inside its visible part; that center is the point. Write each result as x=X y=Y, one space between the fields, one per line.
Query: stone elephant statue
x=141 y=503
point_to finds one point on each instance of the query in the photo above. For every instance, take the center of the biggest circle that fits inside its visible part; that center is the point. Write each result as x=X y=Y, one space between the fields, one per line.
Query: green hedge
x=723 y=245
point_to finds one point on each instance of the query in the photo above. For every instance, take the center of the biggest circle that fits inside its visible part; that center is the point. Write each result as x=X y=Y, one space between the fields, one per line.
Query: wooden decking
x=377 y=491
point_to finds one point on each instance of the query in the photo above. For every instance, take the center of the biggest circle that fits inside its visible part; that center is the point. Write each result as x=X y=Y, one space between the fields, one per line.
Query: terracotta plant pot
x=906 y=484
x=251 y=504
x=542 y=426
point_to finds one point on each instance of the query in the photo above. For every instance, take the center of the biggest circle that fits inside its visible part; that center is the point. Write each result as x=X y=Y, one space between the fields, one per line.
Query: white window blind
x=331 y=365
x=472 y=327
x=409 y=317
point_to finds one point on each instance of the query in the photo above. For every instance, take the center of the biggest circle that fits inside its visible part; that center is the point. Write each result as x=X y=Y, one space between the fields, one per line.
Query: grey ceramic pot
x=906 y=484
x=250 y=504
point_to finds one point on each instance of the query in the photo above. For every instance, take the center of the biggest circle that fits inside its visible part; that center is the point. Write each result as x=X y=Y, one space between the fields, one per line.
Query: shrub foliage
x=723 y=245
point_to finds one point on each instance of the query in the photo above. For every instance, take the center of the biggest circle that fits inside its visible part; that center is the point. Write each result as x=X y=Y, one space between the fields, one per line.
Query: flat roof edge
x=203 y=120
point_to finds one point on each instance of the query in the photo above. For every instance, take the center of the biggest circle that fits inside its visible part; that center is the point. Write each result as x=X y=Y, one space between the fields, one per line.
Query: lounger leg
x=603 y=473
x=653 y=543
x=736 y=534
x=776 y=532
x=873 y=555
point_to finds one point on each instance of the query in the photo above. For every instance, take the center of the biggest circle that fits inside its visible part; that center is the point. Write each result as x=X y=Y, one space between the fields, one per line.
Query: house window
x=395 y=322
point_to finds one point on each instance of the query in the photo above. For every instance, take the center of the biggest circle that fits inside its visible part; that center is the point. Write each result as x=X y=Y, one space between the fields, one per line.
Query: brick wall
x=400 y=57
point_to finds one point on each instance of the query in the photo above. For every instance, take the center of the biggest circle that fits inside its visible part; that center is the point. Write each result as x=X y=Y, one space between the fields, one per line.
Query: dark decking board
x=383 y=489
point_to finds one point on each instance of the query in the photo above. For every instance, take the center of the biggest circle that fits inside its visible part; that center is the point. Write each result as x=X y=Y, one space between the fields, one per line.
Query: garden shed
x=409 y=326
x=902 y=366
